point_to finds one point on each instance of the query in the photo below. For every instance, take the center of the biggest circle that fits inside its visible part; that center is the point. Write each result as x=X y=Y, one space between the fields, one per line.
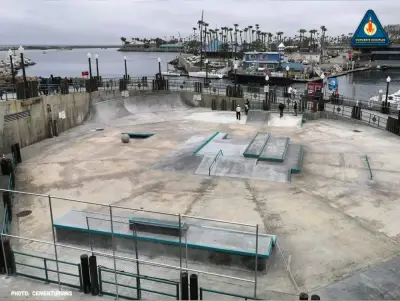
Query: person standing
x=281 y=108
x=289 y=92
x=238 y=110
x=295 y=108
x=246 y=109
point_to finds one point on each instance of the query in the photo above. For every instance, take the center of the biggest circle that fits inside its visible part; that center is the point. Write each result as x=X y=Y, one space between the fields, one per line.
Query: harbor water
x=71 y=63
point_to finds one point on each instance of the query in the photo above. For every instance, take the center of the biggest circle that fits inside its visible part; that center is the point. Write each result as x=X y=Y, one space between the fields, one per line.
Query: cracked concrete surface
x=331 y=219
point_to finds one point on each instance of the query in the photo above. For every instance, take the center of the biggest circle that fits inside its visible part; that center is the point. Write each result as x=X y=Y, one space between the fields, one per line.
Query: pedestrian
x=289 y=92
x=246 y=108
x=295 y=108
x=238 y=110
x=295 y=93
x=281 y=108
x=248 y=103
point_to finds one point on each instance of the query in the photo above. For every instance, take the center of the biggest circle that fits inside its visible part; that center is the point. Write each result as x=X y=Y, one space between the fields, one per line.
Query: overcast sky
x=105 y=21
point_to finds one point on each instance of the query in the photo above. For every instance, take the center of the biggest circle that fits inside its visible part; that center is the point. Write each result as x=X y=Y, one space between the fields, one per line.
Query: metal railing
x=220 y=153
x=371 y=119
x=48 y=270
x=369 y=167
x=138 y=288
x=120 y=259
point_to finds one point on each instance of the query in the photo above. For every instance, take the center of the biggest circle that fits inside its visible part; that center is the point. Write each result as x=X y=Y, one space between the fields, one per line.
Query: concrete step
x=256 y=145
x=204 y=166
x=275 y=149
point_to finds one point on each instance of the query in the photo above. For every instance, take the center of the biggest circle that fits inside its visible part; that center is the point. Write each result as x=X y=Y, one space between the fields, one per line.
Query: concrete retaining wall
x=31 y=124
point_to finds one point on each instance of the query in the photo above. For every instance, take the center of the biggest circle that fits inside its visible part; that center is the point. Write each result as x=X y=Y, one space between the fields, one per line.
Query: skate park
x=336 y=224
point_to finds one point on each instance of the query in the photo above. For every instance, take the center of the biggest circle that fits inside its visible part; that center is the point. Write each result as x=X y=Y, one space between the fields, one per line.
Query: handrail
x=220 y=153
x=369 y=167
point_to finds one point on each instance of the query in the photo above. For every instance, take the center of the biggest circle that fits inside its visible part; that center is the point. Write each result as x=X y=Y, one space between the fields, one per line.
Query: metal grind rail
x=369 y=167
x=220 y=153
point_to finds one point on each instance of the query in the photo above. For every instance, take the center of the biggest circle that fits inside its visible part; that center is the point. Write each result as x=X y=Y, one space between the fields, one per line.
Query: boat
x=170 y=73
x=204 y=74
x=256 y=65
x=393 y=99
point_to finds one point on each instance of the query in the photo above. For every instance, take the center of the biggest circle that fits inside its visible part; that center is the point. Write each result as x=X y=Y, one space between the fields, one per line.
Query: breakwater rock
x=5 y=66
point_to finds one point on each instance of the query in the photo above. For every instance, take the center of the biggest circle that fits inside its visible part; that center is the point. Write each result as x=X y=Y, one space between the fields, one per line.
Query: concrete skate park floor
x=332 y=219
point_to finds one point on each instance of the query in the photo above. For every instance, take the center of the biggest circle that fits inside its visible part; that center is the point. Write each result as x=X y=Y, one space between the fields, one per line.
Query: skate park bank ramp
x=158 y=102
x=273 y=119
x=107 y=111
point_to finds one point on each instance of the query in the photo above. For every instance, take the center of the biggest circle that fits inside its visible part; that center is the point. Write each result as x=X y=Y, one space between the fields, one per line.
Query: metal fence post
x=90 y=238
x=113 y=252
x=256 y=265
x=138 y=278
x=4 y=253
x=54 y=243
x=180 y=247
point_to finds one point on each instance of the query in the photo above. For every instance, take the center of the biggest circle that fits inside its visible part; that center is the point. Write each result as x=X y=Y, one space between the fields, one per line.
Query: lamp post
x=266 y=90
x=89 y=55
x=206 y=83
x=322 y=76
x=386 y=108
x=159 y=67
x=235 y=68
x=126 y=68
x=97 y=67
x=10 y=55
x=287 y=71
x=22 y=64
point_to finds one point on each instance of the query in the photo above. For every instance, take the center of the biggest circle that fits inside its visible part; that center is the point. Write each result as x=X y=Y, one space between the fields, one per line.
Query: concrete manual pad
x=221 y=239
x=217 y=117
x=275 y=149
x=256 y=145
x=287 y=120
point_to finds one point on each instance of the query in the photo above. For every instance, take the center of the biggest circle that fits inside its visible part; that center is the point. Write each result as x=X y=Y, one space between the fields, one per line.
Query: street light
x=22 y=64
x=126 y=68
x=159 y=66
x=388 y=79
x=287 y=71
x=10 y=55
x=97 y=66
x=89 y=55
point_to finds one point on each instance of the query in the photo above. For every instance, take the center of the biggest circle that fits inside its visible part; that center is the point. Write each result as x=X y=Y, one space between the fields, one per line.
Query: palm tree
x=312 y=37
x=323 y=29
x=279 y=35
x=257 y=31
x=251 y=34
x=270 y=35
x=302 y=32
x=194 y=33
x=236 y=31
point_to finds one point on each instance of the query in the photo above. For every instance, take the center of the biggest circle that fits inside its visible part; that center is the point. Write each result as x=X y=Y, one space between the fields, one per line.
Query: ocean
x=71 y=63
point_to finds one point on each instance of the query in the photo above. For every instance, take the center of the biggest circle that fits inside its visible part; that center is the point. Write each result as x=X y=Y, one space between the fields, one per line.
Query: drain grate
x=24 y=213
x=356 y=131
